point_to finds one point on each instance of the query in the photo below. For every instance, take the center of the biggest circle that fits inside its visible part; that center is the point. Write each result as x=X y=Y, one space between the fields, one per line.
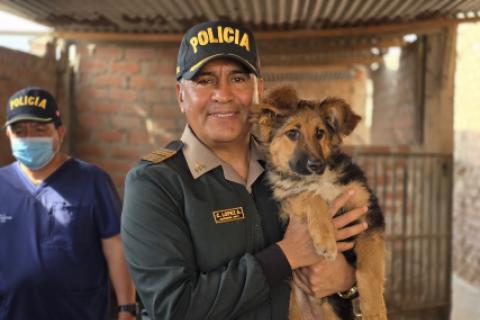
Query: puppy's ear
x=268 y=115
x=339 y=116
x=262 y=118
x=284 y=99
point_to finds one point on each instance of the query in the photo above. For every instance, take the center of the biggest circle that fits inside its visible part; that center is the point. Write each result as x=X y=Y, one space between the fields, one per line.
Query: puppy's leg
x=370 y=274
x=312 y=207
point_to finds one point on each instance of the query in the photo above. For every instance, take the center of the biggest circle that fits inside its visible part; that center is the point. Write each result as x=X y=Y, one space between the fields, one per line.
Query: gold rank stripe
x=228 y=215
x=158 y=156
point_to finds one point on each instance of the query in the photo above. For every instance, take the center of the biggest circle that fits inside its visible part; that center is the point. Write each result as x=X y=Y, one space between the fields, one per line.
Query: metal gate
x=414 y=191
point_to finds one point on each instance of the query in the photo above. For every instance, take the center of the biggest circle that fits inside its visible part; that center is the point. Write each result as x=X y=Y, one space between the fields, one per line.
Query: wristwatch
x=131 y=308
x=349 y=294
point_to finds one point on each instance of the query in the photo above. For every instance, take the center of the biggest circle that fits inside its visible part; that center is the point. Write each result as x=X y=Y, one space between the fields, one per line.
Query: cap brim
x=190 y=74
x=27 y=117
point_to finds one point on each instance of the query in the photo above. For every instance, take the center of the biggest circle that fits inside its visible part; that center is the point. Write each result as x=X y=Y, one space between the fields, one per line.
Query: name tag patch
x=228 y=215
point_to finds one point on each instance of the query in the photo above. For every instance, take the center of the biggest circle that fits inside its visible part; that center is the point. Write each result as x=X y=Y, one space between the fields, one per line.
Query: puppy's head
x=300 y=136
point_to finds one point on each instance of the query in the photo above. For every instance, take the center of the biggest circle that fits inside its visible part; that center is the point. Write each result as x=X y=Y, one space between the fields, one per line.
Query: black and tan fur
x=307 y=171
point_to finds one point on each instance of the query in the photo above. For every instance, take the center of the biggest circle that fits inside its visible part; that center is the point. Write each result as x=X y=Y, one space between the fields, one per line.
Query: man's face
x=32 y=129
x=217 y=102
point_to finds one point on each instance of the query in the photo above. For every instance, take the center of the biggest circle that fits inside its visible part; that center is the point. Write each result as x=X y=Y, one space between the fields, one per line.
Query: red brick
x=94 y=92
x=126 y=95
x=139 y=137
x=110 y=136
x=82 y=134
x=159 y=68
x=125 y=152
x=142 y=110
x=140 y=82
x=109 y=80
x=108 y=53
x=85 y=149
x=89 y=120
x=138 y=54
x=160 y=96
x=126 y=67
x=104 y=107
x=167 y=111
x=167 y=52
x=125 y=122
x=161 y=125
x=115 y=166
x=166 y=81
x=93 y=65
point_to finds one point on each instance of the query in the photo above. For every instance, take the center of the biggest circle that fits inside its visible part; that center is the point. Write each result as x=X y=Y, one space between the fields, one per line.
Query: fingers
x=301 y=280
x=352 y=215
x=340 y=201
x=345 y=233
x=344 y=246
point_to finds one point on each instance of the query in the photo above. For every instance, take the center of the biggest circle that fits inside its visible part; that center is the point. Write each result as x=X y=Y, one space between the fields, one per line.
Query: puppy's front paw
x=326 y=249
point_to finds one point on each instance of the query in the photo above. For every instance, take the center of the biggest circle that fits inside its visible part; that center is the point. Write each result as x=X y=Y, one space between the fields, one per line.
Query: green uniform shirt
x=199 y=242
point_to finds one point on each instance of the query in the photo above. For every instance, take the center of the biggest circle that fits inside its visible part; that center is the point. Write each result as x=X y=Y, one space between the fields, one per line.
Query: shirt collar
x=200 y=159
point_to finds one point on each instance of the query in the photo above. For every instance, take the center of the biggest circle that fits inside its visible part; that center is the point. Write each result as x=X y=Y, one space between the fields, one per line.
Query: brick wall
x=466 y=198
x=125 y=104
x=18 y=70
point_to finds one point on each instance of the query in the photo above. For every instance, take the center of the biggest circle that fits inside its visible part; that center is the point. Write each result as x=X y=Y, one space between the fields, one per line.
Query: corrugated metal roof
x=166 y=16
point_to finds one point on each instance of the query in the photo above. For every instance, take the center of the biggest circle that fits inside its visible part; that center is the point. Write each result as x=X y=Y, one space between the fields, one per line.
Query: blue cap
x=33 y=104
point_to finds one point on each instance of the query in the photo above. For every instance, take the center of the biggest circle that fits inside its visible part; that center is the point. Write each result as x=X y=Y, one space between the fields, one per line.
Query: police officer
x=201 y=231
x=59 y=224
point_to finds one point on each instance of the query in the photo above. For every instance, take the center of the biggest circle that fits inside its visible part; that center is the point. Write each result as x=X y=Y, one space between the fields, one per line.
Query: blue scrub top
x=51 y=260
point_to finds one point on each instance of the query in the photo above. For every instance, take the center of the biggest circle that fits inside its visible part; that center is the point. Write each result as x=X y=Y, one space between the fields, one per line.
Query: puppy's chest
x=325 y=185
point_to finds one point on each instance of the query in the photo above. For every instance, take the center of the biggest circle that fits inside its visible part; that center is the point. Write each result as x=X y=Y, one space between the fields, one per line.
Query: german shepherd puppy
x=307 y=171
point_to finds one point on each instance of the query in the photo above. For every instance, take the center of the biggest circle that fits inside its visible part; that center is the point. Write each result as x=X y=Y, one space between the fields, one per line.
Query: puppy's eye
x=269 y=113
x=319 y=133
x=293 y=134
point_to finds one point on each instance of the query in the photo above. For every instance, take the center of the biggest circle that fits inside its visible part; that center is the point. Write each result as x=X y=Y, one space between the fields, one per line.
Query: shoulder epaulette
x=160 y=155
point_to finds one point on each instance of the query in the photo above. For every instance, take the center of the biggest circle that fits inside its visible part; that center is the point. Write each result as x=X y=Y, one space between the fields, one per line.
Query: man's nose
x=223 y=91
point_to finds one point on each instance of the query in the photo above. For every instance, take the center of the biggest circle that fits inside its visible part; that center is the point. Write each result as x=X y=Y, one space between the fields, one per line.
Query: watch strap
x=131 y=308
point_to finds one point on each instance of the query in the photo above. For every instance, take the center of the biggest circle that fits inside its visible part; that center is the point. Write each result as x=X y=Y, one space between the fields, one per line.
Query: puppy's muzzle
x=315 y=166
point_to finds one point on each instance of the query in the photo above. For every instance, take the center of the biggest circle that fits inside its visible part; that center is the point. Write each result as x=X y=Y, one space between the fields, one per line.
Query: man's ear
x=179 y=93
x=61 y=131
x=8 y=132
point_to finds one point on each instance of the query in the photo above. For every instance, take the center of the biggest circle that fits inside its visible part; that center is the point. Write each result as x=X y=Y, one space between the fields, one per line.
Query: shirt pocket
x=66 y=225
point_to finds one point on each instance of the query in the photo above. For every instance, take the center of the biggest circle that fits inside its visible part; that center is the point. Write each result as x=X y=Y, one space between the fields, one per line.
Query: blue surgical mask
x=35 y=153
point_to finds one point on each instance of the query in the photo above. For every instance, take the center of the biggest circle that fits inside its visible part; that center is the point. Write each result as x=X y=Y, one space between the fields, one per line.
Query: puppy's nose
x=315 y=166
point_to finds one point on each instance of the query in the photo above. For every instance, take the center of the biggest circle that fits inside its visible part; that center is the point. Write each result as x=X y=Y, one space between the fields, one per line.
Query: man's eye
x=239 y=78
x=293 y=134
x=205 y=81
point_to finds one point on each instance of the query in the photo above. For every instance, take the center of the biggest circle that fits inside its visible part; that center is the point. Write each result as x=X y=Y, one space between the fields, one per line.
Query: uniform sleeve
x=108 y=206
x=161 y=259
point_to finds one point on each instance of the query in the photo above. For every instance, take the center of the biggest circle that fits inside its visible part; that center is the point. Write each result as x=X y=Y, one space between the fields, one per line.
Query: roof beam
x=417 y=27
